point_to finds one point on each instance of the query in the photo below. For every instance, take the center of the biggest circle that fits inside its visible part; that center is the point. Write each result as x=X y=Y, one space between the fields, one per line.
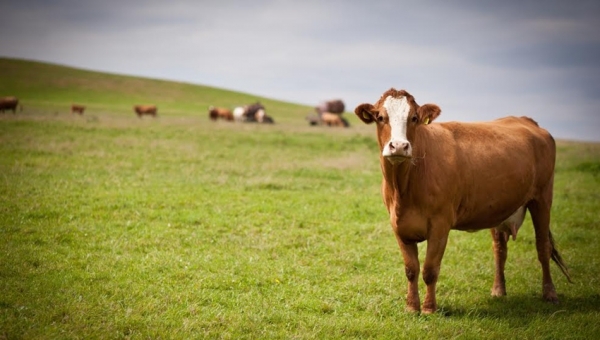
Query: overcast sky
x=478 y=60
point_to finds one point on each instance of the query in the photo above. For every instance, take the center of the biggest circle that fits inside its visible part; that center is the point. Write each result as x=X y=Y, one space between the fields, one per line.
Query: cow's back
x=486 y=170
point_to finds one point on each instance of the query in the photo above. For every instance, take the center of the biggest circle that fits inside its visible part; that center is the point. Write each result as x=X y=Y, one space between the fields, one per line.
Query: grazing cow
x=9 y=103
x=331 y=106
x=215 y=113
x=75 y=108
x=459 y=176
x=149 y=110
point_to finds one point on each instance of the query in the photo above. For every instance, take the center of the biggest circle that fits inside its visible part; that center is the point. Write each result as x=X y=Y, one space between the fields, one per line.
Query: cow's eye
x=380 y=119
x=414 y=119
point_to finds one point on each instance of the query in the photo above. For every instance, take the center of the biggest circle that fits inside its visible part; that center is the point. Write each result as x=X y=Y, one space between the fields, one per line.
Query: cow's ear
x=366 y=113
x=428 y=113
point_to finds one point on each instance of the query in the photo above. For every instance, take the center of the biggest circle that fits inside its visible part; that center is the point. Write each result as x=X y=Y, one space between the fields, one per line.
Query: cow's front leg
x=410 y=253
x=436 y=245
x=500 y=252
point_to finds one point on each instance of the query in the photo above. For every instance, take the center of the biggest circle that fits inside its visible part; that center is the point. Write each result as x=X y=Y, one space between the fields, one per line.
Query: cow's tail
x=558 y=259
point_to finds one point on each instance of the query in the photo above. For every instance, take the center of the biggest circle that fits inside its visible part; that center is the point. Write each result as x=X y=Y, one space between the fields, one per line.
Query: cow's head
x=397 y=116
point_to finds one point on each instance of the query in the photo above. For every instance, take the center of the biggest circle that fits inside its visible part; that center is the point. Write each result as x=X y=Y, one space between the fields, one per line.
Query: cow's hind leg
x=540 y=215
x=500 y=239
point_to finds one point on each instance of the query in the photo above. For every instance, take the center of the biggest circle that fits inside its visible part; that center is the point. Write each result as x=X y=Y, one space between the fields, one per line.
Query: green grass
x=178 y=227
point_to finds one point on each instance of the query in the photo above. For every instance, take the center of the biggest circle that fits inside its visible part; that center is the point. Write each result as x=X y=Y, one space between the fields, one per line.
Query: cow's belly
x=487 y=216
x=489 y=200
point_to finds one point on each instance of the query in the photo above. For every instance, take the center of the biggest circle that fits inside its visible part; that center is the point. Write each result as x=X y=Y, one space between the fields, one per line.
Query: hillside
x=48 y=86
x=175 y=228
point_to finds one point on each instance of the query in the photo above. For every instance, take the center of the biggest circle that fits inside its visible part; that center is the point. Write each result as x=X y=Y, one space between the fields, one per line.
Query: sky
x=477 y=59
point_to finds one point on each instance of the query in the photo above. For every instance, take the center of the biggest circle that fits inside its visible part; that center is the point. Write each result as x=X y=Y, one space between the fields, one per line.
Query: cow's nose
x=397 y=146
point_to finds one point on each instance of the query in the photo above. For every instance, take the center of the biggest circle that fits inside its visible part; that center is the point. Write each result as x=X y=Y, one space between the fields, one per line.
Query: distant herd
x=254 y=113
x=328 y=113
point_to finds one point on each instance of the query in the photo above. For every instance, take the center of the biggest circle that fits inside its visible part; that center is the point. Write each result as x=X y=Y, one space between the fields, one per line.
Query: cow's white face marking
x=397 y=110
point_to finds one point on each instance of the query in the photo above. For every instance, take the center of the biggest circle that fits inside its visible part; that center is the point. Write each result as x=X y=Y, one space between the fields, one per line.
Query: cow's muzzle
x=397 y=151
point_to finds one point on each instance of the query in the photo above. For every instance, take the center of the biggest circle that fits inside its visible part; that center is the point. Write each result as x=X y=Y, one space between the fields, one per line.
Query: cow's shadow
x=513 y=308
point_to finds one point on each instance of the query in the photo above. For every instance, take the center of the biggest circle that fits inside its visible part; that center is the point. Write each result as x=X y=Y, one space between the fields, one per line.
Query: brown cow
x=327 y=118
x=459 y=176
x=75 y=108
x=141 y=110
x=332 y=119
x=9 y=103
x=215 y=113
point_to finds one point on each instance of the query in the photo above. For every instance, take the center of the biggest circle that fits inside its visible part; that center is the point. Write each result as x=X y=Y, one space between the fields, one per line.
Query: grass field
x=178 y=227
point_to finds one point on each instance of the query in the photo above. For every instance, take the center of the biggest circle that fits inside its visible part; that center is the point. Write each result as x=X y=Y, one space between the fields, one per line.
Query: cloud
x=477 y=59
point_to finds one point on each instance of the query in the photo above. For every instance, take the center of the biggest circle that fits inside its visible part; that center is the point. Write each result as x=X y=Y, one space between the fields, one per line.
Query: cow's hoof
x=428 y=311
x=429 y=308
x=550 y=294
x=498 y=292
x=412 y=309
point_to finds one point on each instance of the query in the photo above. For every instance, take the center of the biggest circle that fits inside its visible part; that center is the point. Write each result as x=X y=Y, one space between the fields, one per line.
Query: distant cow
x=252 y=113
x=9 y=103
x=331 y=106
x=261 y=117
x=332 y=119
x=75 y=108
x=149 y=110
x=327 y=118
x=267 y=120
x=238 y=113
x=215 y=113
x=459 y=176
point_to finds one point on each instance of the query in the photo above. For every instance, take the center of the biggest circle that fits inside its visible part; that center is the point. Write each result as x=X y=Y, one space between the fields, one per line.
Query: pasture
x=113 y=226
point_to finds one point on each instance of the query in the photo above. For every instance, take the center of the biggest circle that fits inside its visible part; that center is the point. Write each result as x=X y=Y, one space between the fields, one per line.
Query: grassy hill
x=176 y=228
x=43 y=86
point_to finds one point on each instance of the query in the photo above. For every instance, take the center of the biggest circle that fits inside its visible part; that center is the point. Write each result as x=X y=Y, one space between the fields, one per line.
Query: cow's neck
x=397 y=175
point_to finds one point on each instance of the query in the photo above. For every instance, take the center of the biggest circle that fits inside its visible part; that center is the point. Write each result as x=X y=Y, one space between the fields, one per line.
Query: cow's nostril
x=392 y=147
x=405 y=147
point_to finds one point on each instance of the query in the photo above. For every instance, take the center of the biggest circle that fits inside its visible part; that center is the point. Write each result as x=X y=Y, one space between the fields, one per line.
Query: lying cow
x=327 y=118
x=149 y=110
x=215 y=113
x=75 y=108
x=332 y=119
x=9 y=103
x=262 y=117
x=459 y=176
